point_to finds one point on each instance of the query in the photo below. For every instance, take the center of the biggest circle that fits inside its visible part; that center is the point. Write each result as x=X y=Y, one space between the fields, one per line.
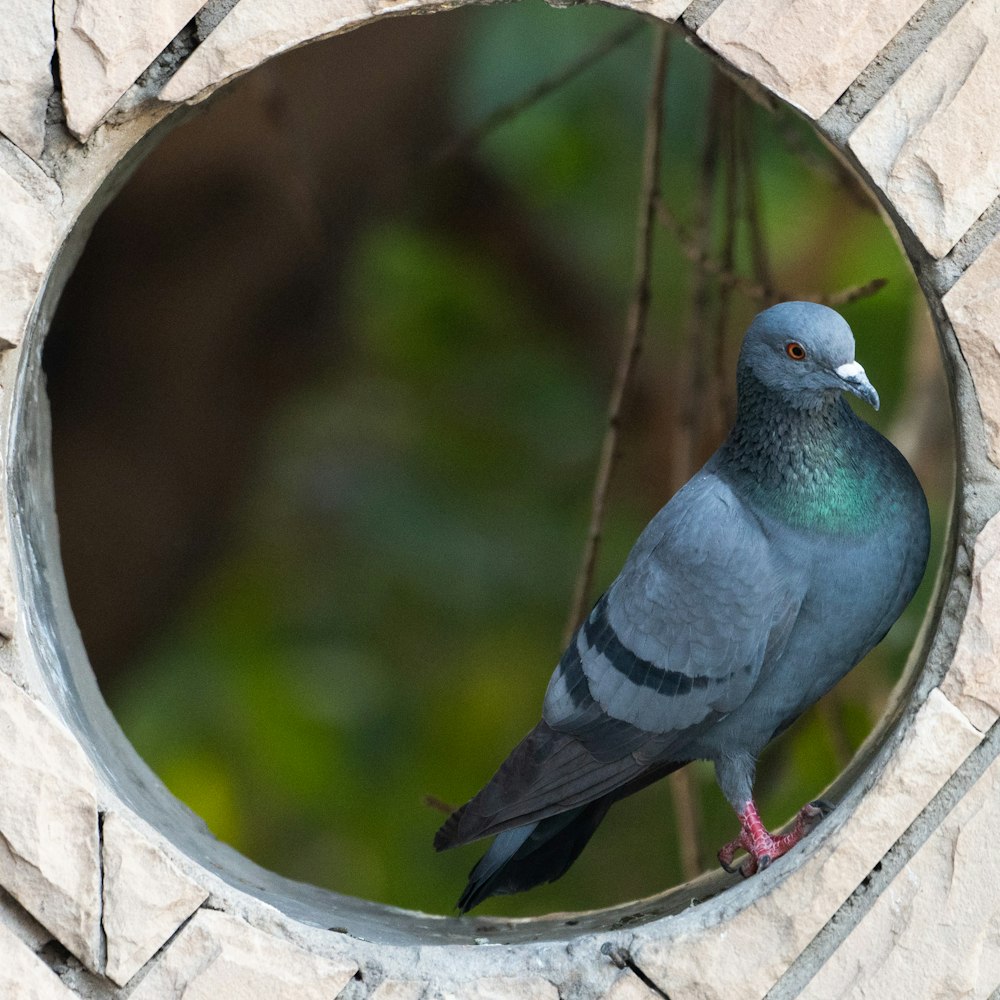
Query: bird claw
x=726 y=860
x=822 y=807
x=753 y=863
x=761 y=847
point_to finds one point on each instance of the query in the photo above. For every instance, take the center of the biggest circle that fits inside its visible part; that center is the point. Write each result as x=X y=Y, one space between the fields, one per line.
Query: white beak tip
x=851 y=370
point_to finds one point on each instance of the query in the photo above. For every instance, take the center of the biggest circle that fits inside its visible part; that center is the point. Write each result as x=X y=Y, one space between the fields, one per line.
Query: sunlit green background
x=385 y=616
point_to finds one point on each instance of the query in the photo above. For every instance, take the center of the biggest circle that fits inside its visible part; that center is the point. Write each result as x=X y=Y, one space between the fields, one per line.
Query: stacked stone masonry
x=99 y=902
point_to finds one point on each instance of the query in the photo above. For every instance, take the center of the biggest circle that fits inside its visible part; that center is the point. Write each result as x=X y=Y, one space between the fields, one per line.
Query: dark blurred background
x=328 y=389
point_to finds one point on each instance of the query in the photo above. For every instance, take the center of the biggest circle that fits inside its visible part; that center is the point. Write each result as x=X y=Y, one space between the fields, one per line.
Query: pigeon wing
x=679 y=639
x=676 y=643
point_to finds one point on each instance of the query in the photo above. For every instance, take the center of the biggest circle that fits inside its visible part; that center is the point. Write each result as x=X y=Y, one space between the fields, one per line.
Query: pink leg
x=760 y=846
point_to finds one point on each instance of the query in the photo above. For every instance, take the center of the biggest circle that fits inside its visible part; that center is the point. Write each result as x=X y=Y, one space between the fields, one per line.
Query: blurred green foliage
x=389 y=610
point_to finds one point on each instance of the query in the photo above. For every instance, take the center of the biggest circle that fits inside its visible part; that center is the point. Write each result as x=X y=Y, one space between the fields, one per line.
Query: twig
x=507 y=112
x=852 y=294
x=751 y=194
x=752 y=289
x=685 y=454
x=433 y=802
x=724 y=409
x=306 y=203
x=687 y=819
x=635 y=326
x=829 y=711
x=829 y=169
x=698 y=317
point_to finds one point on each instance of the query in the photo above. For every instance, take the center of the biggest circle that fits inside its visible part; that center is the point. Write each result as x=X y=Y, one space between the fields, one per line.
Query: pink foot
x=760 y=846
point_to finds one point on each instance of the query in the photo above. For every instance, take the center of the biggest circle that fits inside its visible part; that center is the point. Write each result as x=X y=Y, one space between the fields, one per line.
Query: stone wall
x=110 y=888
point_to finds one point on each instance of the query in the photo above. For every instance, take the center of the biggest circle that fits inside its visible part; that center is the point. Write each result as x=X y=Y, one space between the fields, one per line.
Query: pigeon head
x=804 y=352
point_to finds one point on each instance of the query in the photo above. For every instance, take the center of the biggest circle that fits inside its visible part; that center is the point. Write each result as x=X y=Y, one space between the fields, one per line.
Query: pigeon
x=763 y=581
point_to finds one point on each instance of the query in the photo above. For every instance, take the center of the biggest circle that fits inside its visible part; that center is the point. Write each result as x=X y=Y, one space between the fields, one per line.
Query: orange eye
x=795 y=351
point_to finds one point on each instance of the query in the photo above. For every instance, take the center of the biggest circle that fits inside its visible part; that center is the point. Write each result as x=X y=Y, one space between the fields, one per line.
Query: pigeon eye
x=795 y=351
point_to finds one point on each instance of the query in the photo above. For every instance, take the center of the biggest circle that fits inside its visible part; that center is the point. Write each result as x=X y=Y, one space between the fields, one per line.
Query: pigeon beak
x=855 y=380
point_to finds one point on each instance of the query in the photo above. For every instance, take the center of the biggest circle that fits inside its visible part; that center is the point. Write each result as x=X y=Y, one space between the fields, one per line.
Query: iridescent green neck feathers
x=811 y=467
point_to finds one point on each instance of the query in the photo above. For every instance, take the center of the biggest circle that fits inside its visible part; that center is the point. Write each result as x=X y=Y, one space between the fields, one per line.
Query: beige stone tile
x=628 y=986
x=23 y=975
x=217 y=956
x=22 y=169
x=973 y=306
x=752 y=945
x=502 y=988
x=399 y=989
x=807 y=51
x=973 y=679
x=146 y=897
x=932 y=143
x=27 y=41
x=103 y=47
x=48 y=824
x=935 y=930
x=22 y=924
x=665 y=10
x=255 y=30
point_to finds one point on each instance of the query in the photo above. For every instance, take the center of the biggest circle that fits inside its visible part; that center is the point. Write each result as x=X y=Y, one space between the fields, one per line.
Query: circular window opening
x=328 y=388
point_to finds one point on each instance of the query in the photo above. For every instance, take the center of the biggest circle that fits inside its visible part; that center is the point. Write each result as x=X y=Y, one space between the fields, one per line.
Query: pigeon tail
x=525 y=856
x=531 y=855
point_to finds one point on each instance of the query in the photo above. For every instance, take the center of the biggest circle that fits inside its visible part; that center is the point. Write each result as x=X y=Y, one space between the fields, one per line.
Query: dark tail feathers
x=527 y=856
x=522 y=857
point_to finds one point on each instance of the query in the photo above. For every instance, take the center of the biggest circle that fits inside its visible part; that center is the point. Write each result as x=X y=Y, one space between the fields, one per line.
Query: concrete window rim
x=60 y=660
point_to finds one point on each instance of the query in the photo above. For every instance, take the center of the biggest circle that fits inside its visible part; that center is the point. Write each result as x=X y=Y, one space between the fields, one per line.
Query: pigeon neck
x=801 y=463
x=759 y=406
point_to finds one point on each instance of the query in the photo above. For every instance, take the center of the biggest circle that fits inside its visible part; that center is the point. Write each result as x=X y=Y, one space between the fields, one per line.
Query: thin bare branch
x=751 y=197
x=508 y=112
x=306 y=202
x=852 y=294
x=828 y=168
x=692 y=412
x=635 y=326
x=687 y=439
x=438 y=805
x=752 y=289
x=828 y=709
x=687 y=819
x=725 y=401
